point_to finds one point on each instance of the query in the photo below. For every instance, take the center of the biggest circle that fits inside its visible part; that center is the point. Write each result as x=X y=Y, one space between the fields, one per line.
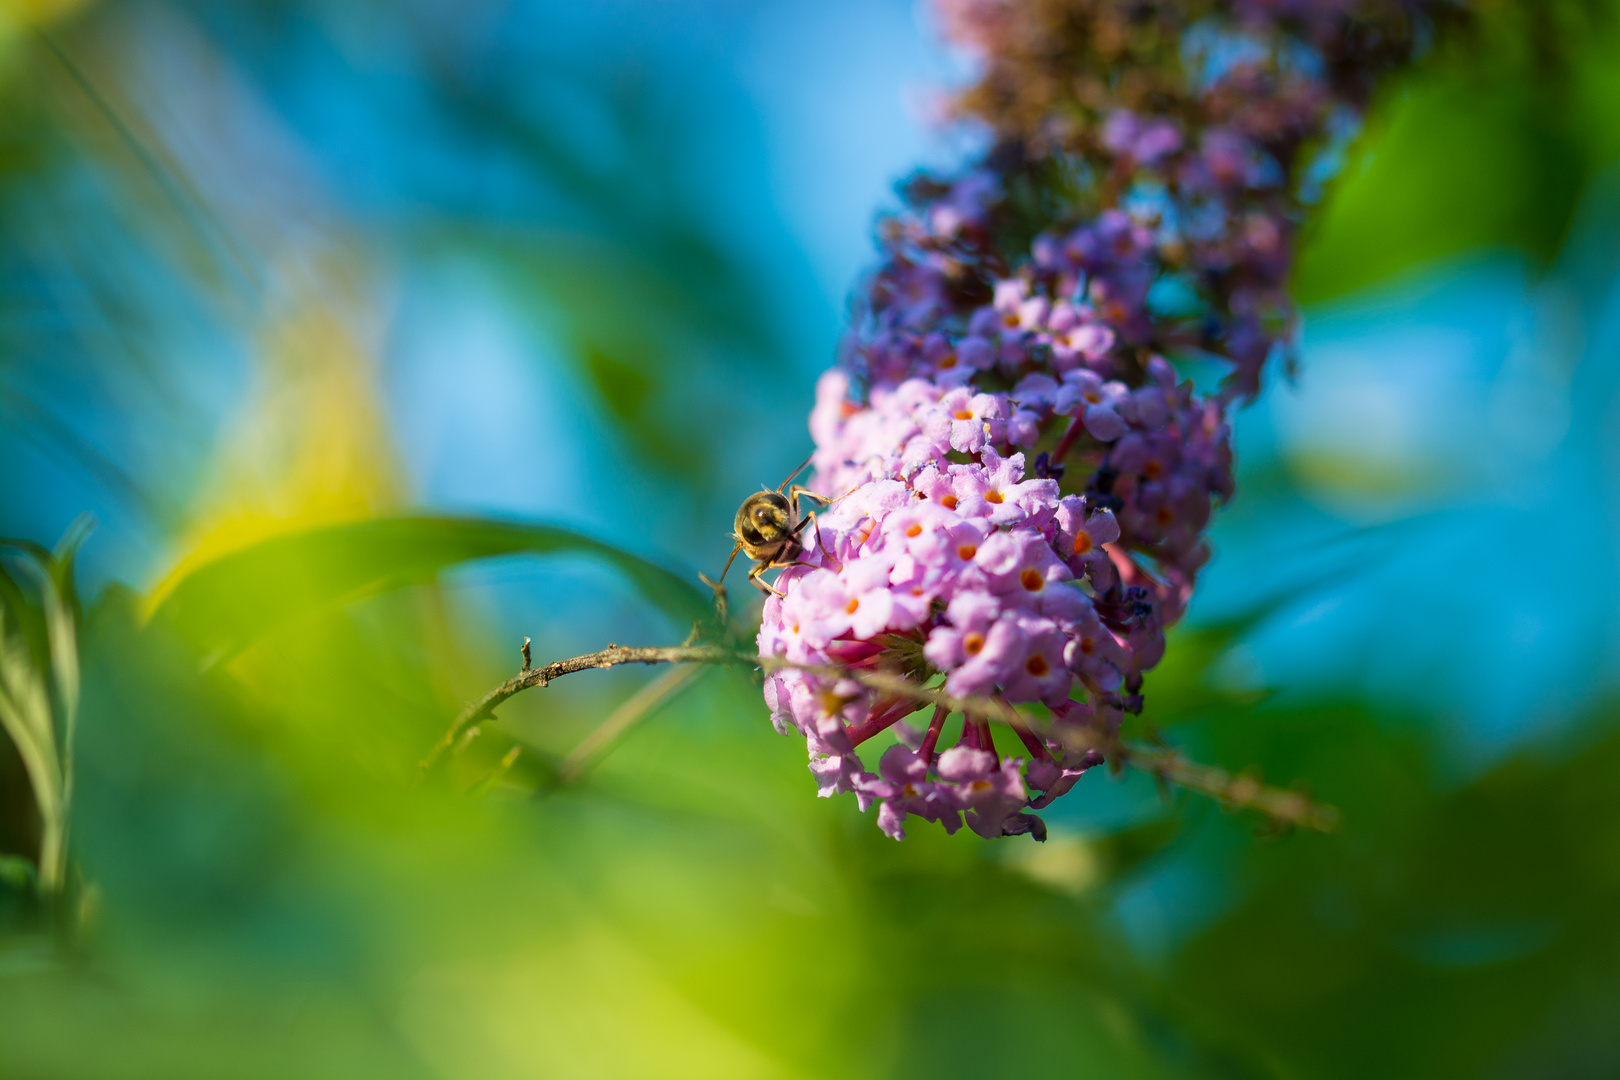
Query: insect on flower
x=768 y=527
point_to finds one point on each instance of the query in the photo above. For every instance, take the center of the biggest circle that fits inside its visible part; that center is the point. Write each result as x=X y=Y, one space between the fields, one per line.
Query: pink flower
x=965 y=349
x=1080 y=533
x=909 y=791
x=1055 y=777
x=998 y=491
x=1101 y=404
x=989 y=792
x=966 y=421
x=835 y=765
x=1146 y=141
x=1082 y=342
x=855 y=601
x=1019 y=566
x=1040 y=675
x=988 y=658
x=971 y=614
x=931 y=547
x=1093 y=653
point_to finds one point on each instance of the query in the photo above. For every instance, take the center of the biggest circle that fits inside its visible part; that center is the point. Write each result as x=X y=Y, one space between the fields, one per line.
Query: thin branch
x=484 y=708
x=1284 y=807
x=1294 y=809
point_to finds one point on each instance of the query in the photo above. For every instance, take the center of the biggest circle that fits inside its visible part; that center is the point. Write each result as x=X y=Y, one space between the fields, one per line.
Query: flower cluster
x=1020 y=479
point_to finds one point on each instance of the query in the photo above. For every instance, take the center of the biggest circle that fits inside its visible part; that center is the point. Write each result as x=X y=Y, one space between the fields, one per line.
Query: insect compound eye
x=768 y=521
x=764 y=518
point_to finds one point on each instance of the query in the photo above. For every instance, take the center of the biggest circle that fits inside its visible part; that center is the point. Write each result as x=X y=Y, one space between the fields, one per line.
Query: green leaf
x=225 y=605
x=25 y=716
x=61 y=622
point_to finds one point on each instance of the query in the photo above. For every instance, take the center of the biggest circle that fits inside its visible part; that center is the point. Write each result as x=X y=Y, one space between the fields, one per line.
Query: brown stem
x=1285 y=808
x=931 y=740
x=880 y=720
x=1031 y=741
x=611 y=656
x=983 y=735
x=1289 y=808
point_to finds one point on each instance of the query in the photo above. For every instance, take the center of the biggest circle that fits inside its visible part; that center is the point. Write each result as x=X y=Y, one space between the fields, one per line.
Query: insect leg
x=798 y=489
x=810 y=519
x=729 y=561
x=762 y=585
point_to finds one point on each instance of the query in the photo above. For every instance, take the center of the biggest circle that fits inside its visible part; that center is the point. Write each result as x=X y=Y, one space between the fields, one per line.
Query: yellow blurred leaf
x=25 y=14
x=310 y=445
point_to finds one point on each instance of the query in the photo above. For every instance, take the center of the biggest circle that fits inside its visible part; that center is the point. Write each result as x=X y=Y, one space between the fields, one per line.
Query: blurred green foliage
x=258 y=888
x=1490 y=146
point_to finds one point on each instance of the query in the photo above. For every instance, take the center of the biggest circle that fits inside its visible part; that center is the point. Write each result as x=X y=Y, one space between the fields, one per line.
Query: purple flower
x=1040 y=674
x=1087 y=341
x=1146 y=142
x=932 y=546
x=989 y=792
x=1081 y=533
x=998 y=491
x=835 y=765
x=1055 y=777
x=976 y=353
x=970 y=615
x=966 y=421
x=1019 y=567
x=1093 y=653
x=1100 y=403
x=1036 y=391
x=988 y=659
x=909 y=791
x=938 y=552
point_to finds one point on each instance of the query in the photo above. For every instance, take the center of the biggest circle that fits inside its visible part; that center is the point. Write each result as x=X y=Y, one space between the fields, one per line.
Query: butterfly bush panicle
x=1021 y=478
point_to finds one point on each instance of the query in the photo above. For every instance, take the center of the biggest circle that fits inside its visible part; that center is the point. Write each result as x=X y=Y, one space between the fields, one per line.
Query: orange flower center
x=1153 y=469
x=948 y=502
x=1164 y=516
x=973 y=644
x=1036 y=666
x=854 y=602
x=1032 y=580
x=979 y=785
x=994 y=497
x=1087 y=646
x=1082 y=543
x=963 y=414
x=947 y=362
x=966 y=552
x=915 y=530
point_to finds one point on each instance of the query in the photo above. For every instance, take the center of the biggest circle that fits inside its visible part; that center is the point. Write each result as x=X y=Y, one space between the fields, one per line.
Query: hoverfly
x=768 y=527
